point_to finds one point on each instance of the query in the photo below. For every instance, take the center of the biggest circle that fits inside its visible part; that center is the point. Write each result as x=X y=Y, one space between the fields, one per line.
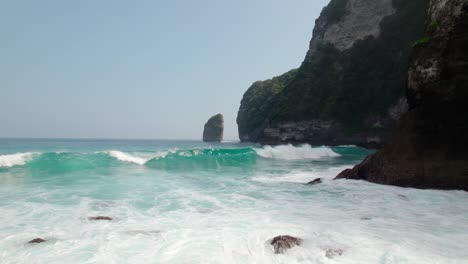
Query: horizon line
x=100 y=138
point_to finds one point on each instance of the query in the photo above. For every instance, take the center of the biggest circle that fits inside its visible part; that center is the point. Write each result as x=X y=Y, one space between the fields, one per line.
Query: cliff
x=429 y=148
x=350 y=86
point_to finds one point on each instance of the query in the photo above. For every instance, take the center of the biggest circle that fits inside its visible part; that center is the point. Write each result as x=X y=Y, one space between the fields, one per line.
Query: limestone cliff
x=430 y=147
x=214 y=129
x=350 y=88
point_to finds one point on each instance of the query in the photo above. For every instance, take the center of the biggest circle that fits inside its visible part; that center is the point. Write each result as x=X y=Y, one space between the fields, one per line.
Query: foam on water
x=289 y=152
x=301 y=176
x=17 y=159
x=127 y=157
x=200 y=215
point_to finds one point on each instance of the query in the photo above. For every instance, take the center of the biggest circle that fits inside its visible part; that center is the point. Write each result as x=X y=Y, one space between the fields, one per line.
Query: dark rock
x=316 y=181
x=348 y=174
x=98 y=218
x=37 y=241
x=429 y=147
x=282 y=243
x=333 y=252
x=366 y=218
x=214 y=128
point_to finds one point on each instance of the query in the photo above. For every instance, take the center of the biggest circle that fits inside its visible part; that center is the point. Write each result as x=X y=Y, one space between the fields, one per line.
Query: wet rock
x=316 y=181
x=37 y=241
x=333 y=252
x=428 y=147
x=100 y=218
x=282 y=243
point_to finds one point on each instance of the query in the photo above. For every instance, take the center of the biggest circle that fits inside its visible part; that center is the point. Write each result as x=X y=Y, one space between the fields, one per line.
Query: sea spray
x=17 y=159
x=289 y=152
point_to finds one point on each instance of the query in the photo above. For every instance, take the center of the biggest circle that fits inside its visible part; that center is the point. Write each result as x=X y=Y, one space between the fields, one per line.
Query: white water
x=289 y=152
x=222 y=216
x=138 y=158
x=127 y=157
x=186 y=225
x=17 y=159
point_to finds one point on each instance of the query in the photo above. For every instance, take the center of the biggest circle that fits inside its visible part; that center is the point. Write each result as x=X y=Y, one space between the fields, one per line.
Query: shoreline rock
x=429 y=148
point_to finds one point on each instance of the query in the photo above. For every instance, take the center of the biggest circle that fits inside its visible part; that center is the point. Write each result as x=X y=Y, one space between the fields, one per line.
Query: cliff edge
x=430 y=146
x=350 y=88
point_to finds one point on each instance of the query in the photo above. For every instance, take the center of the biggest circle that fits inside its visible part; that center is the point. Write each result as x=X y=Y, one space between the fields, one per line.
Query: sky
x=141 y=69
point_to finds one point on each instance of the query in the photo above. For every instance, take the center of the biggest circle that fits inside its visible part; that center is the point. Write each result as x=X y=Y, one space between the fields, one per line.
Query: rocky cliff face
x=348 y=90
x=214 y=129
x=430 y=147
x=359 y=20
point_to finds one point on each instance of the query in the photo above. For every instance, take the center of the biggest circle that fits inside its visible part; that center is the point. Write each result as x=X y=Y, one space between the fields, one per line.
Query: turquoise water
x=192 y=202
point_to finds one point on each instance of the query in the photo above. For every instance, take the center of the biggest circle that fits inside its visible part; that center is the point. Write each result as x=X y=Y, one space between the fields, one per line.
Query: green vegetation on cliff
x=257 y=101
x=348 y=86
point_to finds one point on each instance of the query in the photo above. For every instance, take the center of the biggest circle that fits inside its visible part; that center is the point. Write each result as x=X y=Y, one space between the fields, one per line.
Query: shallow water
x=191 y=202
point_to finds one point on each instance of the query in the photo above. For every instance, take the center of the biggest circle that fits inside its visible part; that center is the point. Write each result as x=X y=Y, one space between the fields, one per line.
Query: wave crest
x=17 y=159
x=204 y=158
x=290 y=152
x=168 y=159
x=122 y=156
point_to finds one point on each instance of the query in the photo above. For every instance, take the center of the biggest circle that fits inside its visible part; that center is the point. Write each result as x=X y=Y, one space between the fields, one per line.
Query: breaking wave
x=214 y=158
x=122 y=156
x=290 y=152
x=17 y=159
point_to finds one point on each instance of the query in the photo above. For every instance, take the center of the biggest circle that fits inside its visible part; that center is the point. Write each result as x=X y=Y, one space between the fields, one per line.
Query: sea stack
x=214 y=129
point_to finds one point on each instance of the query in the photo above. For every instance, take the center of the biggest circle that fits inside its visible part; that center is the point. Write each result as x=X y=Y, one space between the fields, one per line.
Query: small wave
x=139 y=158
x=17 y=159
x=203 y=158
x=127 y=157
x=290 y=152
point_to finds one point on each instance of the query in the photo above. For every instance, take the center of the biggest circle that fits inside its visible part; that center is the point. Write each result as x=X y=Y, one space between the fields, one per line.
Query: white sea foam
x=139 y=158
x=204 y=216
x=290 y=152
x=122 y=156
x=300 y=176
x=17 y=159
x=189 y=224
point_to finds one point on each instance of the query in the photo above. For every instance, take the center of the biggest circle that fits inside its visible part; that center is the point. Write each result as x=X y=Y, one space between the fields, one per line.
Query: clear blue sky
x=141 y=69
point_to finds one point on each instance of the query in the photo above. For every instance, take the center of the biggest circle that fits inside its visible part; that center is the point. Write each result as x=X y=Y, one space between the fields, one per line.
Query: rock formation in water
x=37 y=241
x=315 y=182
x=282 y=243
x=350 y=89
x=430 y=147
x=214 y=128
x=100 y=218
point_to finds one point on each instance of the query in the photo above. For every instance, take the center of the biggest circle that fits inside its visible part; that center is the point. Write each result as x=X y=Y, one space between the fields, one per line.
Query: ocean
x=194 y=202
